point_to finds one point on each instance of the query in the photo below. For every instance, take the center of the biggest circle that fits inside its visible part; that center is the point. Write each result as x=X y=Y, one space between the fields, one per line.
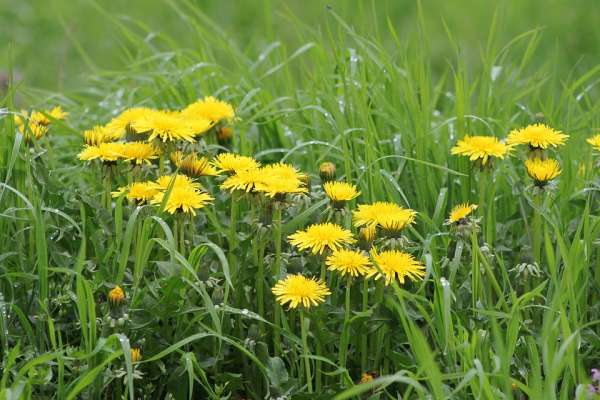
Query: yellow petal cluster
x=298 y=290
x=480 y=148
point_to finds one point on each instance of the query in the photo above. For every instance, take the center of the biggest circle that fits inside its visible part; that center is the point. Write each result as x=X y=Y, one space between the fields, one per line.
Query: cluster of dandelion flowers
x=281 y=179
x=319 y=237
x=537 y=136
x=298 y=290
x=232 y=163
x=394 y=264
x=340 y=193
x=170 y=126
x=542 y=171
x=481 y=148
x=349 y=262
x=594 y=141
x=389 y=216
x=211 y=109
x=193 y=165
x=459 y=213
x=182 y=199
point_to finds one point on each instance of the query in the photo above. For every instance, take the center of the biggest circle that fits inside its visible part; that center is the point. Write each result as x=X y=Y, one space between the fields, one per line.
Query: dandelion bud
x=116 y=296
x=366 y=377
x=217 y=295
x=327 y=171
x=136 y=354
x=367 y=235
x=224 y=135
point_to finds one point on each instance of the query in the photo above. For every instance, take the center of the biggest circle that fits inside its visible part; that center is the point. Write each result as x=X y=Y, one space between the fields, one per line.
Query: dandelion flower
x=383 y=214
x=138 y=152
x=367 y=233
x=166 y=126
x=136 y=354
x=281 y=179
x=542 y=171
x=319 y=237
x=58 y=113
x=116 y=296
x=107 y=152
x=179 y=180
x=349 y=262
x=394 y=265
x=101 y=134
x=327 y=171
x=480 y=148
x=245 y=180
x=128 y=118
x=192 y=164
x=211 y=109
x=224 y=135
x=366 y=377
x=537 y=136
x=460 y=212
x=595 y=142
x=340 y=193
x=183 y=199
x=230 y=162
x=140 y=192
x=299 y=290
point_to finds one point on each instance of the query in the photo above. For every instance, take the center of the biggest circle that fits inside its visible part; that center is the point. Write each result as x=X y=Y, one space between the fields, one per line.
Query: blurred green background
x=55 y=44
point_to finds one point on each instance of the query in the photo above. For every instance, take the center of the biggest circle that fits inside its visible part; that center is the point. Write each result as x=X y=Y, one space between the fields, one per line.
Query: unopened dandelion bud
x=327 y=171
x=116 y=296
x=224 y=135
x=136 y=354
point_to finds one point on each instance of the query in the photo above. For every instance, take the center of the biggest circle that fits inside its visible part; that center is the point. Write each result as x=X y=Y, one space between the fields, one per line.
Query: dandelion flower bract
x=211 y=109
x=595 y=142
x=183 y=199
x=480 y=148
x=538 y=136
x=460 y=212
x=383 y=213
x=394 y=265
x=542 y=171
x=298 y=290
x=319 y=237
x=340 y=192
x=349 y=262
x=230 y=162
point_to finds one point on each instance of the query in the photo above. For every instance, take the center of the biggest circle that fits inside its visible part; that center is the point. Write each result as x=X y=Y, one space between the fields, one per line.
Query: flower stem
x=536 y=240
x=346 y=329
x=364 y=337
x=276 y=273
x=305 y=352
x=475 y=273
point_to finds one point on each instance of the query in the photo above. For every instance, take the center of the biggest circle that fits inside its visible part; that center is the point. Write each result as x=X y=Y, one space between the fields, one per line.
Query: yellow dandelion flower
x=319 y=237
x=281 y=179
x=367 y=233
x=192 y=164
x=108 y=152
x=139 y=152
x=537 y=136
x=163 y=182
x=58 y=113
x=394 y=265
x=36 y=130
x=542 y=171
x=595 y=142
x=128 y=118
x=340 y=192
x=244 y=180
x=136 y=354
x=366 y=377
x=116 y=296
x=139 y=192
x=480 y=148
x=383 y=213
x=299 y=290
x=349 y=262
x=230 y=162
x=166 y=126
x=460 y=212
x=120 y=191
x=210 y=108
x=101 y=134
x=183 y=199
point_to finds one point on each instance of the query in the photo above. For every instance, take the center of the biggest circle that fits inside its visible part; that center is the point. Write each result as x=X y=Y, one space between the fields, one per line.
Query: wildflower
x=383 y=213
x=319 y=237
x=192 y=164
x=136 y=354
x=394 y=265
x=183 y=199
x=107 y=152
x=139 y=152
x=224 y=135
x=460 y=212
x=366 y=377
x=58 y=113
x=348 y=262
x=211 y=109
x=595 y=142
x=480 y=148
x=340 y=193
x=537 y=136
x=126 y=121
x=230 y=162
x=116 y=296
x=101 y=134
x=245 y=180
x=163 y=182
x=542 y=171
x=32 y=125
x=299 y=290
x=367 y=235
x=327 y=171
x=280 y=179
x=140 y=192
x=168 y=126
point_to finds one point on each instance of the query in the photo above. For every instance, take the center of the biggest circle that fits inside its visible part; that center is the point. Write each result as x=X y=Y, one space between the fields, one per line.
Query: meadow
x=286 y=200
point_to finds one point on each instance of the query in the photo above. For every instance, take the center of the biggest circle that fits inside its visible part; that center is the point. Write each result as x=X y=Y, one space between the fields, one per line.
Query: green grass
x=381 y=89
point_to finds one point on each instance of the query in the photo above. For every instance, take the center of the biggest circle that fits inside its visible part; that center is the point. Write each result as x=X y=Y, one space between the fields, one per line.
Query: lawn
x=303 y=200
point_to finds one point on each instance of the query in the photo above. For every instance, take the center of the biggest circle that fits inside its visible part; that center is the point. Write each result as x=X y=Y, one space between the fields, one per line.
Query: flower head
x=211 y=109
x=394 y=265
x=327 y=171
x=116 y=296
x=128 y=118
x=107 y=152
x=136 y=354
x=480 y=148
x=170 y=126
x=349 y=262
x=537 y=136
x=138 y=152
x=384 y=214
x=340 y=192
x=224 y=135
x=280 y=179
x=299 y=290
x=366 y=377
x=542 y=171
x=58 y=113
x=101 y=134
x=163 y=182
x=230 y=162
x=192 y=164
x=460 y=212
x=319 y=237
x=182 y=199
x=140 y=192
x=245 y=180
x=595 y=142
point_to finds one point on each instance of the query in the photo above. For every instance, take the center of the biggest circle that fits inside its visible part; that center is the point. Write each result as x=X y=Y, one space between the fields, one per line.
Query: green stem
x=475 y=273
x=346 y=329
x=276 y=273
x=305 y=352
x=536 y=240
x=232 y=239
x=364 y=349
